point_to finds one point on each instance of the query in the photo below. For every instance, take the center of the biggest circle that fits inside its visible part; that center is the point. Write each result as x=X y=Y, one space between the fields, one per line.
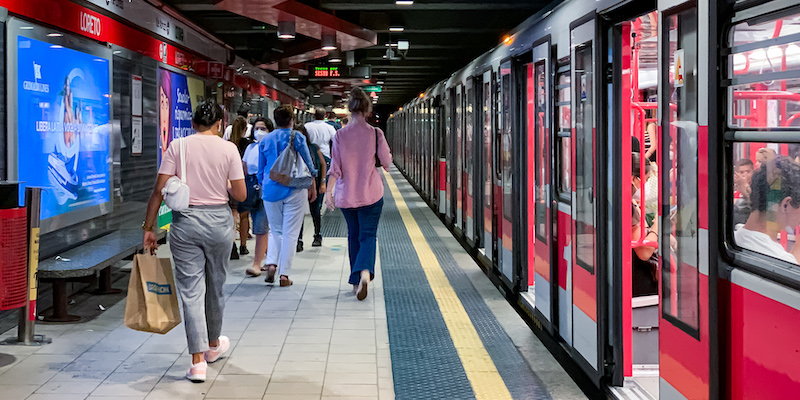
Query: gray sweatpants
x=200 y=241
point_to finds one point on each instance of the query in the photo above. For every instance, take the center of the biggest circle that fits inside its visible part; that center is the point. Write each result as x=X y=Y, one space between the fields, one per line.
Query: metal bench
x=92 y=259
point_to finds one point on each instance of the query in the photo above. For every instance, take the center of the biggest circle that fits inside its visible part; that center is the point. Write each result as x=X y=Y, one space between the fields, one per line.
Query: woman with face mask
x=261 y=127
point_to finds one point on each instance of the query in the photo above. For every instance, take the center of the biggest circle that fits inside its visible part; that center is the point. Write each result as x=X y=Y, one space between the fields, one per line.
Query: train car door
x=685 y=347
x=589 y=301
x=562 y=210
x=469 y=164
x=487 y=249
x=504 y=175
x=458 y=156
x=538 y=146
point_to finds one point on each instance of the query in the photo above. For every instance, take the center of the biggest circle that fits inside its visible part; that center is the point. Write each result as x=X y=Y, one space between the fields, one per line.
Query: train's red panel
x=764 y=346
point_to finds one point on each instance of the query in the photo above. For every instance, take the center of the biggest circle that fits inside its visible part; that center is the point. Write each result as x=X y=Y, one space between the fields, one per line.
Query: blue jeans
x=362 y=235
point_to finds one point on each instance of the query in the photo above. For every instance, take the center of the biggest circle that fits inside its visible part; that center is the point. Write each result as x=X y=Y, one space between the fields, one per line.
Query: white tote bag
x=176 y=191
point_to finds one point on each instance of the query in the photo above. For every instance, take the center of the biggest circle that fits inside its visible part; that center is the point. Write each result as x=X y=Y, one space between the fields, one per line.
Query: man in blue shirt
x=285 y=206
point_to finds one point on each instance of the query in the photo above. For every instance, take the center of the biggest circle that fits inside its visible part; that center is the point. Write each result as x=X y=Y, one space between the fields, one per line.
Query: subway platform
x=433 y=327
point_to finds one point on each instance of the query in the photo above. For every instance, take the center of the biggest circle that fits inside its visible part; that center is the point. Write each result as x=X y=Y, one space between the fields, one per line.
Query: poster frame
x=15 y=28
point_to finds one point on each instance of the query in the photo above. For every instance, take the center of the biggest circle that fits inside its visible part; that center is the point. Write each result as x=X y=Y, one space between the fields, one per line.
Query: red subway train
x=628 y=174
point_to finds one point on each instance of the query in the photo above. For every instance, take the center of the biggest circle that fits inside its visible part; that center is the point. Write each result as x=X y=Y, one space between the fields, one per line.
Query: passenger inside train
x=645 y=255
x=775 y=199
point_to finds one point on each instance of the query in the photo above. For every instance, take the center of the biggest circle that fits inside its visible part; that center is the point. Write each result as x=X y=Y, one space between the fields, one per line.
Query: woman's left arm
x=150 y=241
x=384 y=153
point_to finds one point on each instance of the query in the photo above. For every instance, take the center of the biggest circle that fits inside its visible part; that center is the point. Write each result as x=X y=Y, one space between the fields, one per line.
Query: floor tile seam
x=454 y=313
x=479 y=312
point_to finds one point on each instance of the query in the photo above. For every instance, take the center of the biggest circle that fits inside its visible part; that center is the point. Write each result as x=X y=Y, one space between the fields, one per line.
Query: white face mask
x=637 y=194
x=260 y=134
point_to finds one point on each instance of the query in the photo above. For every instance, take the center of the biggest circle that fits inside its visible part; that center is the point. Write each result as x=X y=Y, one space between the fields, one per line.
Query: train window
x=766 y=198
x=679 y=251
x=564 y=132
x=764 y=67
x=543 y=157
x=584 y=157
x=764 y=94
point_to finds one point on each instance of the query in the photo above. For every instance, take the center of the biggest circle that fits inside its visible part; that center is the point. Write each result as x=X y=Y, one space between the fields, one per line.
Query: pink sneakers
x=197 y=372
x=214 y=353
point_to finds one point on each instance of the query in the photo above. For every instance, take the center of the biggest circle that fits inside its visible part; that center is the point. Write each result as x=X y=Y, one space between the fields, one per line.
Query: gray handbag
x=290 y=169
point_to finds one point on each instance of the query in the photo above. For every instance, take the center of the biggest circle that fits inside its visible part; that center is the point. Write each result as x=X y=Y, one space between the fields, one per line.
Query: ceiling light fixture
x=404 y=2
x=396 y=29
x=334 y=56
x=383 y=72
x=379 y=82
x=293 y=79
x=54 y=34
x=286 y=30
x=329 y=42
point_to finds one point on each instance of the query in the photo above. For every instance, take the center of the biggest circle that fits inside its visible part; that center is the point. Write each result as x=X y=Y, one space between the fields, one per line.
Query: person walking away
x=240 y=216
x=244 y=112
x=321 y=134
x=285 y=205
x=332 y=121
x=200 y=235
x=357 y=148
x=261 y=127
x=315 y=206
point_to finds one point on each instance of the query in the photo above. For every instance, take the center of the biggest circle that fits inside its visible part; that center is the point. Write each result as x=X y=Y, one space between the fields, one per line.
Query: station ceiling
x=443 y=36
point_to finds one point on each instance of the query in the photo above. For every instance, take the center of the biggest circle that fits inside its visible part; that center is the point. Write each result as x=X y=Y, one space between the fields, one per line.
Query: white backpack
x=176 y=191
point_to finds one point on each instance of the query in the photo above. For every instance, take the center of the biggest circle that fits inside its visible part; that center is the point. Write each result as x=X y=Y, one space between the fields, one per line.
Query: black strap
x=377 y=159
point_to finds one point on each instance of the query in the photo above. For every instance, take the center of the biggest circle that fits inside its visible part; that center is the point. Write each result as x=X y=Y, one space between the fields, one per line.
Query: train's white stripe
x=667 y=392
x=585 y=335
x=766 y=288
x=542 y=295
x=702 y=253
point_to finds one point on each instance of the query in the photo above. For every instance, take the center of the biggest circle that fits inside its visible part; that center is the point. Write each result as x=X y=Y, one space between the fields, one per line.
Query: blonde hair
x=359 y=102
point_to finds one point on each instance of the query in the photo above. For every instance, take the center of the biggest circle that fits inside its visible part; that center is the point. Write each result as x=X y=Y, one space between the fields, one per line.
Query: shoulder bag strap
x=183 y=159
x=377 y=159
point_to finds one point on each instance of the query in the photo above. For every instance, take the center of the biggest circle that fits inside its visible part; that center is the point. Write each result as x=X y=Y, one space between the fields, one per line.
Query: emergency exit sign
x=373 y=89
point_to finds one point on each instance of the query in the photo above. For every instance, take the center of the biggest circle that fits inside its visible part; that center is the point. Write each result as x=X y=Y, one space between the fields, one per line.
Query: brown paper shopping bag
x=152 y=299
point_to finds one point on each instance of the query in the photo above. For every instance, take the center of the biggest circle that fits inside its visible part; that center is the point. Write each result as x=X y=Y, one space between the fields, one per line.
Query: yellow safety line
x=481 y=371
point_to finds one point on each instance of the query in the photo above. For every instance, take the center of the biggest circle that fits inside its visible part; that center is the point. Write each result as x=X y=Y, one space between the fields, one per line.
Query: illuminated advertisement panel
x=62 y=101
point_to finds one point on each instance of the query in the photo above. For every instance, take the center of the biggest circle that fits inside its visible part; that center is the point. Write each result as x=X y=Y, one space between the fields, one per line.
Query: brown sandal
x=286 y=282
x=271 y=269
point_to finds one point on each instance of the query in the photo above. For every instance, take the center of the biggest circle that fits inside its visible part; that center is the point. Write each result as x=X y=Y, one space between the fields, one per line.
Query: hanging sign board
x=371 y=89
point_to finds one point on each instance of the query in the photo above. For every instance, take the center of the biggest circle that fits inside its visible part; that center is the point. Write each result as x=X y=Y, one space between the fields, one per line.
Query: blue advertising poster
x=176 y=99
x=63 y=126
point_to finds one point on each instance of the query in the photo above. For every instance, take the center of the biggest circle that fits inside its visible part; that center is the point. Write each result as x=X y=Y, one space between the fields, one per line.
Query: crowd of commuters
x=230 y=178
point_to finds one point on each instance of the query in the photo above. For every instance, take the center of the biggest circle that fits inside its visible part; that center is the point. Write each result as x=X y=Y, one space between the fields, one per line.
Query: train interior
x=639 y=72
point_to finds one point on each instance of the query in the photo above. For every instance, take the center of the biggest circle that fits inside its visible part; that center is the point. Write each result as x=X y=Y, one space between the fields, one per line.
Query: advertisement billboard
x=178 y=96
x=62 y=122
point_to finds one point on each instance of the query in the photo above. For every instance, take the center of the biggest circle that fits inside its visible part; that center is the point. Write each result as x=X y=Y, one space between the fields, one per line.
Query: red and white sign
x=91 y=24
x=215 y=70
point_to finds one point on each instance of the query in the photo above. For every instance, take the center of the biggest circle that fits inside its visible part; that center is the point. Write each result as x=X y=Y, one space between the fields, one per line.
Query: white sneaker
x=214 y=353
x=197 y=372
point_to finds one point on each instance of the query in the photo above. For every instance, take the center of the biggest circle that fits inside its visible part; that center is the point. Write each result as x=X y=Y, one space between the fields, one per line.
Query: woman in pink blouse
x=358 y=187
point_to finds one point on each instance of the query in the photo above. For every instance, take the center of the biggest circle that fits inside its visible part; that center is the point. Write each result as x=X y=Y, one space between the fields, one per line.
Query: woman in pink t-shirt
x=200 y=236
x=358 y=187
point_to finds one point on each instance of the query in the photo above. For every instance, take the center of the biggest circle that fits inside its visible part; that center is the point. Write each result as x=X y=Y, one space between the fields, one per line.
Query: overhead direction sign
x=373 y=89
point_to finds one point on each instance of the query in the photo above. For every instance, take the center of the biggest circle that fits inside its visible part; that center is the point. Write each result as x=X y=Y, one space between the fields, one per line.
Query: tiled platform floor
x=313 y=340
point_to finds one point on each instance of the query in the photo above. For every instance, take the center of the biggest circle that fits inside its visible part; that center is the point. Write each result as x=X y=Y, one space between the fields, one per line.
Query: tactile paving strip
x=425 y=362
x=333 y=224
x=520 y=380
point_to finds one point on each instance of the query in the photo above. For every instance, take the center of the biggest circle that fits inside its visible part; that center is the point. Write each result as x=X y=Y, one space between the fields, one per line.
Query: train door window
x=764 y=117
x=542 y=153
x=584 y=157
x=680 y=273
x=506 y=151
x=564 y=134
x=469 y=163
x=459 y=156
x=448 y=155
x=487 y=158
